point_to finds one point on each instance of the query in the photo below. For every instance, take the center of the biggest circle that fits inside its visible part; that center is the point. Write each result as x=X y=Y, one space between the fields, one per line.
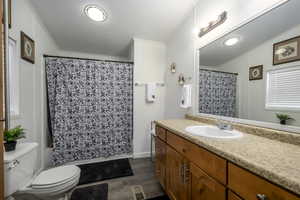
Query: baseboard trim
x=142 y=155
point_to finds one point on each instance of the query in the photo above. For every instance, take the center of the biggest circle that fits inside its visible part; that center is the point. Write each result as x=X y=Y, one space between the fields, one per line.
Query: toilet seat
x=55 y=177
x=53 y=191
x=54 y=181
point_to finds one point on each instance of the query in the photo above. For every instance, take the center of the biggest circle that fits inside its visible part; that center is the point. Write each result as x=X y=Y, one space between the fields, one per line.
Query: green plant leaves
x=14 y=134
x=283 y=117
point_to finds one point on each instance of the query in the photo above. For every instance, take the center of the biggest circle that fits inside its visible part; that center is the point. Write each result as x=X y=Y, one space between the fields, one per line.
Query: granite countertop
x=276 y=161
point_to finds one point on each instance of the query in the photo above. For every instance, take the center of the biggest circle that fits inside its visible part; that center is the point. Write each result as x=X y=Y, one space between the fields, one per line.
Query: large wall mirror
x=253 y=73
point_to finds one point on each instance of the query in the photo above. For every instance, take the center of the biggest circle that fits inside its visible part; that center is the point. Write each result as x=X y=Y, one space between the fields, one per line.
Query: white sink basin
x=213 y=132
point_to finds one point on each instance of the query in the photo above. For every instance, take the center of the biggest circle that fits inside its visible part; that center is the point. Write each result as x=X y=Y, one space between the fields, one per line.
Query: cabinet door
x=160 y=171
x=204 y=187
x=177 y=175
x=160 y=161
x=160 y=150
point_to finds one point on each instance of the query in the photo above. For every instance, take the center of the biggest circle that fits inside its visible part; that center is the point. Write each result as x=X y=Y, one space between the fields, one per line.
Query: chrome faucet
x=223 y=125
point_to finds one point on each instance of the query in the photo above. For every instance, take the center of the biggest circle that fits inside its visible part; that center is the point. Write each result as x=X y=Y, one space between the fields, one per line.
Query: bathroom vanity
x=190 y=167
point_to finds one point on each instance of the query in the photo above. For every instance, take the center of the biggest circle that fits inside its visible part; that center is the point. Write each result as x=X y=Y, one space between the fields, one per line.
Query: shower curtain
x=90 y=105
x=217 y=93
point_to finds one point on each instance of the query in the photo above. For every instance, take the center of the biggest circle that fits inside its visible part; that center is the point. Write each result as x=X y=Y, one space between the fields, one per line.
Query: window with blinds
x=283 y=89
x=14 y=87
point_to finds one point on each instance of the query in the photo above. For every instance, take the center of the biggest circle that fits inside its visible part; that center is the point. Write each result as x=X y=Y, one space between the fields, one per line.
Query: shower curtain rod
x=51 y=56
x=211 y=70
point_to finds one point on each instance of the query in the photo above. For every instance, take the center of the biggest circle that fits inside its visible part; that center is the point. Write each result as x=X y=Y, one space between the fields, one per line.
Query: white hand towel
x=186 y=98
x=151 y=92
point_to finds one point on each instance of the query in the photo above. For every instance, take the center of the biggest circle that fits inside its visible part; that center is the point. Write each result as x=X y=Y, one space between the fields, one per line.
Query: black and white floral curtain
x=90 y=108
x=217 y=93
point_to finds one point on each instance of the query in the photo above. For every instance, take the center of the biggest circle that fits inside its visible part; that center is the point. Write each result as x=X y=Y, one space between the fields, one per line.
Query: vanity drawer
x=205 y=187
x=161 y=133
x=249 y=186
x=210 y=163
x=177 y=143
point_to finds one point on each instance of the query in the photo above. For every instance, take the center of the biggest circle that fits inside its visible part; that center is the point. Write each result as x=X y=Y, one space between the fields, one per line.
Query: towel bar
x=143 y=84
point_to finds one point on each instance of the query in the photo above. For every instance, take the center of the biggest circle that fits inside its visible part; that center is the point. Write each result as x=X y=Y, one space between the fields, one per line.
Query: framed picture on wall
x=286 y=51
x=27 y=48
x=256 y=73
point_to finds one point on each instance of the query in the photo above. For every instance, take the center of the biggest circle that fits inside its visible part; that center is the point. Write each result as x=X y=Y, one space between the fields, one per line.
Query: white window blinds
x=13 y=78
x=283 y=89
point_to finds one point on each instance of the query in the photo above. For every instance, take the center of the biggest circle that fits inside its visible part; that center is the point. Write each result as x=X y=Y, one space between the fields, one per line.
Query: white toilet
x=21 y=177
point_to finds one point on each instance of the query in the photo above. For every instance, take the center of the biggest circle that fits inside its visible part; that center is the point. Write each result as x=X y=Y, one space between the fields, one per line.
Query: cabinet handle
x=184 y=166
x=261 y=197
x=186 y=173
x=201 y=189
x=182 y=173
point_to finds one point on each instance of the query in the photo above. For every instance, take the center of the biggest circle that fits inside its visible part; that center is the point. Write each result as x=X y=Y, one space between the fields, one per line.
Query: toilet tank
x=19 y=167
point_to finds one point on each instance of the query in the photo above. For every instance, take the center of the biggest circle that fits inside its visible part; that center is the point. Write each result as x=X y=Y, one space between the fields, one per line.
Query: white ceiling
x=252 y=35
x=146 y=19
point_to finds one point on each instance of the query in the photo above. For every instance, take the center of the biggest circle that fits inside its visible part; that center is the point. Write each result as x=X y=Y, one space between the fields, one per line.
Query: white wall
x=32 y=77
x=149 y=66
x=182 y=46
x=252 y=93
x=180 y=50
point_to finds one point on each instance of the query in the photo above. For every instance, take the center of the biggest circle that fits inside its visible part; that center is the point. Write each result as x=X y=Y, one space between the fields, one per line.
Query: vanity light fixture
x=181 y=80
x=173 y=68
x=95 y=13
x=213 y=24
x=232 y=41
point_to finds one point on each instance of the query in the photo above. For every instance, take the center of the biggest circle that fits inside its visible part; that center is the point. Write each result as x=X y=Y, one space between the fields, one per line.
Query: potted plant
x=283 y=118
x=11 y=136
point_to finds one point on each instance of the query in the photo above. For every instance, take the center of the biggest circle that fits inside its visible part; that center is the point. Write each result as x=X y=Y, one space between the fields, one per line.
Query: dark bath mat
x=160 y=198
x=96 y=192
x=104 y=170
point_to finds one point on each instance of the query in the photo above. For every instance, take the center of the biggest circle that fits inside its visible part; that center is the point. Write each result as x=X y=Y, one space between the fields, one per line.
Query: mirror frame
x=270 y=125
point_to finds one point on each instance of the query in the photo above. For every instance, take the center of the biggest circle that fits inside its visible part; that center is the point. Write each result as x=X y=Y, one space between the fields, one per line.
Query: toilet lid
x=56 y=175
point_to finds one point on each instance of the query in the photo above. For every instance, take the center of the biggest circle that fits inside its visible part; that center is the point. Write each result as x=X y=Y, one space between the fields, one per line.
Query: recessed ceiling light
x=232 y=41
x=95 y=13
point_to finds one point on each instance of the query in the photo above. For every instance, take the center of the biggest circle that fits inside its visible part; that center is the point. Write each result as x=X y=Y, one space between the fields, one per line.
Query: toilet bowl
x=55 y=183
x=20 y=177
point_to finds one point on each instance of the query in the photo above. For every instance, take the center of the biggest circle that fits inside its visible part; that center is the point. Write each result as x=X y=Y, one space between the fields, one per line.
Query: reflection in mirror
x=242 y=76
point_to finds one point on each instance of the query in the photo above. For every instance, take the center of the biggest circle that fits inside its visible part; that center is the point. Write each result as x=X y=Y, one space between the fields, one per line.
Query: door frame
x=2 y=94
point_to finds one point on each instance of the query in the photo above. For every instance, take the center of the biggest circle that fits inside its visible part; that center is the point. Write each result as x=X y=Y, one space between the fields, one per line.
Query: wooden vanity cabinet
x=177 y=175
x=189 y=172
